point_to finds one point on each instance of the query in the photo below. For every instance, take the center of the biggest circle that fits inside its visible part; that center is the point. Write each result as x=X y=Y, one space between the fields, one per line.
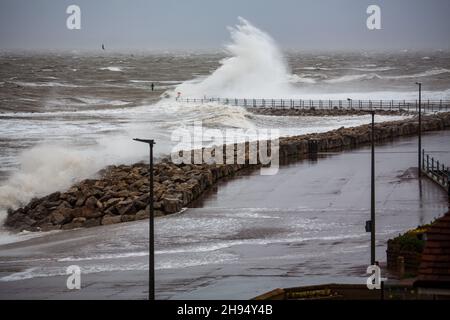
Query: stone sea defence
x=321 y=112
x=120 y=193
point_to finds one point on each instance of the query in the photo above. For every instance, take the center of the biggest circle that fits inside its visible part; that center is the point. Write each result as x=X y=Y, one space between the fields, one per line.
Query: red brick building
x=434 y=270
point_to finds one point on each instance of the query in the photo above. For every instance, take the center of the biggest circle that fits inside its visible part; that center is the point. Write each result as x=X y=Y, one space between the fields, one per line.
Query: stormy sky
x=201 y=24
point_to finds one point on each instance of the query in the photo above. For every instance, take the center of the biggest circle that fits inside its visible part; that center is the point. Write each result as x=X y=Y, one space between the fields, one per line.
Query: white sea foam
x=354 y=77
x=370 y=76
x=85 y=101
x=105 y=256
x=112 y=68
x=372 y=69
x=428 y=73
x=45 y=84
x=157 y=81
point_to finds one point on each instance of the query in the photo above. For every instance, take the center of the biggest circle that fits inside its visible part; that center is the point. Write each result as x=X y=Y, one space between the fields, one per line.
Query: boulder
x=61 y=215
x=71 y=225
x=111 y=219
x=54 y=197
x=127 y=217
x=79 y=220
x=171 y=205
x=80 y=201
x=112 y=202
x=88 y=213
x=48 y=227
x=128 y=209
x=91 y=202
x=142 y=214
x=92 y=222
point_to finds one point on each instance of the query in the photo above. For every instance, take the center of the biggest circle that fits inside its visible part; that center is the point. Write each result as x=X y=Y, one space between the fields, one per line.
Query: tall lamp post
x=370 y=224
x=420 y=130
x=151 y=255
x=372 y=194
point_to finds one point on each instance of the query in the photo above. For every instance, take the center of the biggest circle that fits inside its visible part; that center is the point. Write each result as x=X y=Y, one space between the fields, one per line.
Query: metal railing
x=392 y=105
x=436 y=171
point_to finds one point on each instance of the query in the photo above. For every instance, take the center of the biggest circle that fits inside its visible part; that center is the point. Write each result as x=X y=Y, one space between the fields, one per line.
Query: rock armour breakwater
x=120 y=193
x=321 y=112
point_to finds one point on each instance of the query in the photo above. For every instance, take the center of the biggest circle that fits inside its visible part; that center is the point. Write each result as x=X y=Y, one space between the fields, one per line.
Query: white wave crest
x=256 y=68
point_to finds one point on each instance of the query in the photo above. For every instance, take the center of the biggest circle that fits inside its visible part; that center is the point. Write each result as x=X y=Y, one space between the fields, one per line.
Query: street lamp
x=151 y=255
x=370 y=224
x=372 y=195
x=420 y=129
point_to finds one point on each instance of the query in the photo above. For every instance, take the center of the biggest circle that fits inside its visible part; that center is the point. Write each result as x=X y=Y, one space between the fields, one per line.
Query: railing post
x=448 y=187
x=443 y=174
x=437 y=171
x=432 y=165
x=423 y=159
x=428 y=163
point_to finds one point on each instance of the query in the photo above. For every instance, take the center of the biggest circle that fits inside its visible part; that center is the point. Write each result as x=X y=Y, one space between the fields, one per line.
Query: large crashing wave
x=256 y=68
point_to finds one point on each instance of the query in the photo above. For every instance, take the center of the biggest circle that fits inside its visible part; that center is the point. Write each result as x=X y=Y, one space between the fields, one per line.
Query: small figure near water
x=178 y=96
x=153 y=86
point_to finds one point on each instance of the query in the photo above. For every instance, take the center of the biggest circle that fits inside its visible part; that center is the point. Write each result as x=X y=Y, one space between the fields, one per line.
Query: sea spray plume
x=255 y=69
x=48 y=168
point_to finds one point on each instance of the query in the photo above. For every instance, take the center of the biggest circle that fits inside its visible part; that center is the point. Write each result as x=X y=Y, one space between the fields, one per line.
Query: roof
x=434 y=269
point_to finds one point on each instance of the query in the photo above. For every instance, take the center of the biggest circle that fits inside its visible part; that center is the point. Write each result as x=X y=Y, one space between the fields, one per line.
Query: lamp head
x=149 y=141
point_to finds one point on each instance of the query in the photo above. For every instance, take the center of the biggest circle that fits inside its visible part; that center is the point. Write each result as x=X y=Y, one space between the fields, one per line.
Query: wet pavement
x=248 y=235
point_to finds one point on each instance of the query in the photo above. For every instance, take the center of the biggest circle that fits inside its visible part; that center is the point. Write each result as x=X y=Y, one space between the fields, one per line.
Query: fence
x=392 y=105
x=436 y=171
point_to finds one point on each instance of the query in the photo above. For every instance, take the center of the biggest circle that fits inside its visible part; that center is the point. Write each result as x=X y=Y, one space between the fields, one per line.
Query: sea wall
x=321 y=112
x=120 y=193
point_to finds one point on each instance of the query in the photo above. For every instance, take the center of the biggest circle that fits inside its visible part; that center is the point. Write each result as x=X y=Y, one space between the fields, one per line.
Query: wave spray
x=255 y=68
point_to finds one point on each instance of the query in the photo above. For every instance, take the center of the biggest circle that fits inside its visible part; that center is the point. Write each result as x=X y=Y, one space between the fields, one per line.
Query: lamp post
x=420 y=129
x=370 y=224
x=372 y=194
x=151 y=255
